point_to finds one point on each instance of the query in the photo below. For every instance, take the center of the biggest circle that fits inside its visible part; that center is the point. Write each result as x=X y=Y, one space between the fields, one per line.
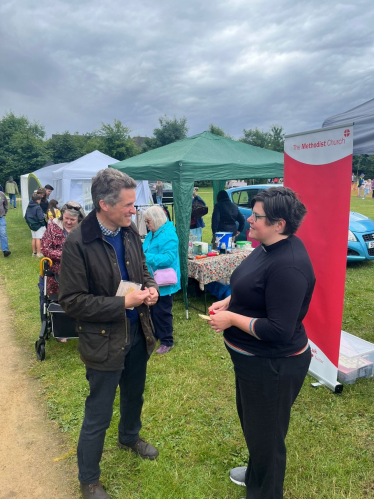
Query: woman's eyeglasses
x=256 y=217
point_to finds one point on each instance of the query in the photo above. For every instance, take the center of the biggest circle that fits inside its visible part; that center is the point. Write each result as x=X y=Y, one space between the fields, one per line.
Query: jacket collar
x=91 y=229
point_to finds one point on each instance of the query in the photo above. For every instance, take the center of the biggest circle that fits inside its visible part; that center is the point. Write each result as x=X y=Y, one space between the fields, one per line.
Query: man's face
x=120 y=214
x=48 y=191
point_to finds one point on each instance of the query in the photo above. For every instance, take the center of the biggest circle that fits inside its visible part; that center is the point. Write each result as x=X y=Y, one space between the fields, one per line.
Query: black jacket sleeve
x=241 y=220
x=216 y=217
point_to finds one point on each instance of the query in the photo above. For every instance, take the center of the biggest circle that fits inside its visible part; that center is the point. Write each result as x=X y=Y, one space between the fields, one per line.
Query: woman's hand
x=221 y=321
x=220 y=306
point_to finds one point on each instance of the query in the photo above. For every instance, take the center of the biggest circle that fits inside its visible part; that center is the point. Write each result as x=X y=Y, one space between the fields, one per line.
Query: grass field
x=189 y=411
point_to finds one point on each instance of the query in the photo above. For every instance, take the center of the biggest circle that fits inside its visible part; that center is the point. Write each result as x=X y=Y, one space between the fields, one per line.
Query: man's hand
x=136 y=298
x=152 y=298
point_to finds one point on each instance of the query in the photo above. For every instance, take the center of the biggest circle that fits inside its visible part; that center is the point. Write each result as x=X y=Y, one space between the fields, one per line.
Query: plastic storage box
x=356 y=359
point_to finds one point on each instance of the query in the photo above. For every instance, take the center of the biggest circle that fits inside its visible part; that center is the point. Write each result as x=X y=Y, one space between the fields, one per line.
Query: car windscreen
x=244 y=198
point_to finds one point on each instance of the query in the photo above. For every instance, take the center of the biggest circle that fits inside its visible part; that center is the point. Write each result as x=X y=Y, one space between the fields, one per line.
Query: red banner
x=318 y=166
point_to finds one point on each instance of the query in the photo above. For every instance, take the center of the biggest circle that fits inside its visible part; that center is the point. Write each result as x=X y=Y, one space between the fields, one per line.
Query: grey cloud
x=237 y=64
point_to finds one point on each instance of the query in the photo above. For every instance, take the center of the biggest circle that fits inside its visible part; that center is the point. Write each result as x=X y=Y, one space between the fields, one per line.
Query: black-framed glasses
x=256 y=217
x=148 y=220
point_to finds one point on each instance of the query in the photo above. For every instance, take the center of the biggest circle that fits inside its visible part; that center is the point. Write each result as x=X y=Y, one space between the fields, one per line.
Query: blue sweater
x=161 y=251
x=117 y=244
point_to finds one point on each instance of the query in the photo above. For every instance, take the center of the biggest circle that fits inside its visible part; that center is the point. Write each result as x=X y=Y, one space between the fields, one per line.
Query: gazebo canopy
x=201 y=157
x=362 y=117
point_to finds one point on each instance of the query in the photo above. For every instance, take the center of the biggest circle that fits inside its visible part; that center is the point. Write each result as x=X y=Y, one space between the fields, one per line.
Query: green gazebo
x=201 y=157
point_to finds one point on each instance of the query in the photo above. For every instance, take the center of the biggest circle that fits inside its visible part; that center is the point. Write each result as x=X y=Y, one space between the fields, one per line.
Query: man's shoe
x=237 y=475
x=6 y=253
x=93 y=491
x=163 y=349
x=142 y=448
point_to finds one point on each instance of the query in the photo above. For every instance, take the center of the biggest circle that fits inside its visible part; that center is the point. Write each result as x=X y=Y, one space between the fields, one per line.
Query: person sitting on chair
x=55 y=236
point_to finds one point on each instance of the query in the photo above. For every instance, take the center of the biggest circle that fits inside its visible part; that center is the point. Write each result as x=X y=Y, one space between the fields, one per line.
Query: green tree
x=273 y=139
x=170 y=130
x=114 y=140
x=22 y=148
x=65 y=147
x=218 y=131
x=363 y=163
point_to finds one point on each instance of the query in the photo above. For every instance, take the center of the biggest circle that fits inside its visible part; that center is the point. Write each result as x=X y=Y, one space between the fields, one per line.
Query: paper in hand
x=126 y=287
x=205 y=317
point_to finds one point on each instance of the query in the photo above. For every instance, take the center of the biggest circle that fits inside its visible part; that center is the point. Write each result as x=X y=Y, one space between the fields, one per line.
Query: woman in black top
x=225 y=215
x=263 y=332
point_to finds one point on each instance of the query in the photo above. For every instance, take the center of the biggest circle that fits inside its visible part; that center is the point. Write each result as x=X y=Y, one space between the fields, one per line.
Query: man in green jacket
x=11 y=188
x=115 y=332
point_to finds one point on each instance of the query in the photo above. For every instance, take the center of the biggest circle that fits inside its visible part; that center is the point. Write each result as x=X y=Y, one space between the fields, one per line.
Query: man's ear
x=103 y=205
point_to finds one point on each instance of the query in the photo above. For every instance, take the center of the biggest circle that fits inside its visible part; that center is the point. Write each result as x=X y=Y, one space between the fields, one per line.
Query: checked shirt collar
x=107 y=232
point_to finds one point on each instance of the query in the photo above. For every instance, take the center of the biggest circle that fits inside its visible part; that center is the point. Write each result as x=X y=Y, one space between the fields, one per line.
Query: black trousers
x=99 y=406
x=162 y=319
x=265 y=392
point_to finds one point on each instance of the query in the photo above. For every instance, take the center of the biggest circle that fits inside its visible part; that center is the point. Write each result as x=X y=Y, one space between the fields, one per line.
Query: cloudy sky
x=235 y=63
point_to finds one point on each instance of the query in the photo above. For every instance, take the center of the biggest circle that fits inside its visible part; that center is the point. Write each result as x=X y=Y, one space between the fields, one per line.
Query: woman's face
x=150 y=224
x=69 y=222
x=259 y=228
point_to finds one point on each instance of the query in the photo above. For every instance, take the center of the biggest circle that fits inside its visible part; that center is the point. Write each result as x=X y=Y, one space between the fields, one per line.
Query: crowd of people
x=365 y=187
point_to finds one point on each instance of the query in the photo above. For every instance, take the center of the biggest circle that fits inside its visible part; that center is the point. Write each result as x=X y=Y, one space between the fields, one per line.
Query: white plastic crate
x=356 y=358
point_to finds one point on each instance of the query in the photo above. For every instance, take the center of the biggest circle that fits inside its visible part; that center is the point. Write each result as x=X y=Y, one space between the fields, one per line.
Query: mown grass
x=189 y=410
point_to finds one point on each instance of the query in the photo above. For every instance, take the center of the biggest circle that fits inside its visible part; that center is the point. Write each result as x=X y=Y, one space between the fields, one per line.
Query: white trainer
x=237 y=475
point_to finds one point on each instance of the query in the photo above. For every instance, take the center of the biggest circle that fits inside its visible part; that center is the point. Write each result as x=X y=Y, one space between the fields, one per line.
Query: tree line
x=24 y=147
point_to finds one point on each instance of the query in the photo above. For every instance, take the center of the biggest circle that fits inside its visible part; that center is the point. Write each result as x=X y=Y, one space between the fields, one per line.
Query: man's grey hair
x=157 y=215
x=107 y=186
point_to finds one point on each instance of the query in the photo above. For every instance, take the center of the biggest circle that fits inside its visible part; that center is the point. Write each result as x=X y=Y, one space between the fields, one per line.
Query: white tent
x=32 y=181
x=363 y=130
x=72 y=181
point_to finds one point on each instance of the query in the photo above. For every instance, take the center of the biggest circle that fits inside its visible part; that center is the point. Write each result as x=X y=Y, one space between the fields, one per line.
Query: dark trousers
x=162 y=319
x=99 y=406
x=265 y=392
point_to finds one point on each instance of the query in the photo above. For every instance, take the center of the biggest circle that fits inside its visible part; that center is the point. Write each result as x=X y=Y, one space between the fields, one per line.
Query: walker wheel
x=40 y=349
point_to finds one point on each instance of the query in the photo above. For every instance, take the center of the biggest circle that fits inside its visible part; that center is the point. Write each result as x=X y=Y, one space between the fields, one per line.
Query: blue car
x=360 y=233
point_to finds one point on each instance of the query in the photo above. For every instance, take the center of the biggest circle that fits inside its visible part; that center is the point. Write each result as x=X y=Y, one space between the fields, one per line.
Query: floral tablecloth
x=214 y=268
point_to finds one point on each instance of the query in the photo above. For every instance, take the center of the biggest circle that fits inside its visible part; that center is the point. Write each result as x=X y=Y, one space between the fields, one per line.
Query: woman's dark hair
x=281 y=202
x=221 y=196
x=52 y=205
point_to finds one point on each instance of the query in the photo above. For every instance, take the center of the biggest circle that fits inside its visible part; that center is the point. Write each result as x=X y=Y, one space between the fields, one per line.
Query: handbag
x=165 y=277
